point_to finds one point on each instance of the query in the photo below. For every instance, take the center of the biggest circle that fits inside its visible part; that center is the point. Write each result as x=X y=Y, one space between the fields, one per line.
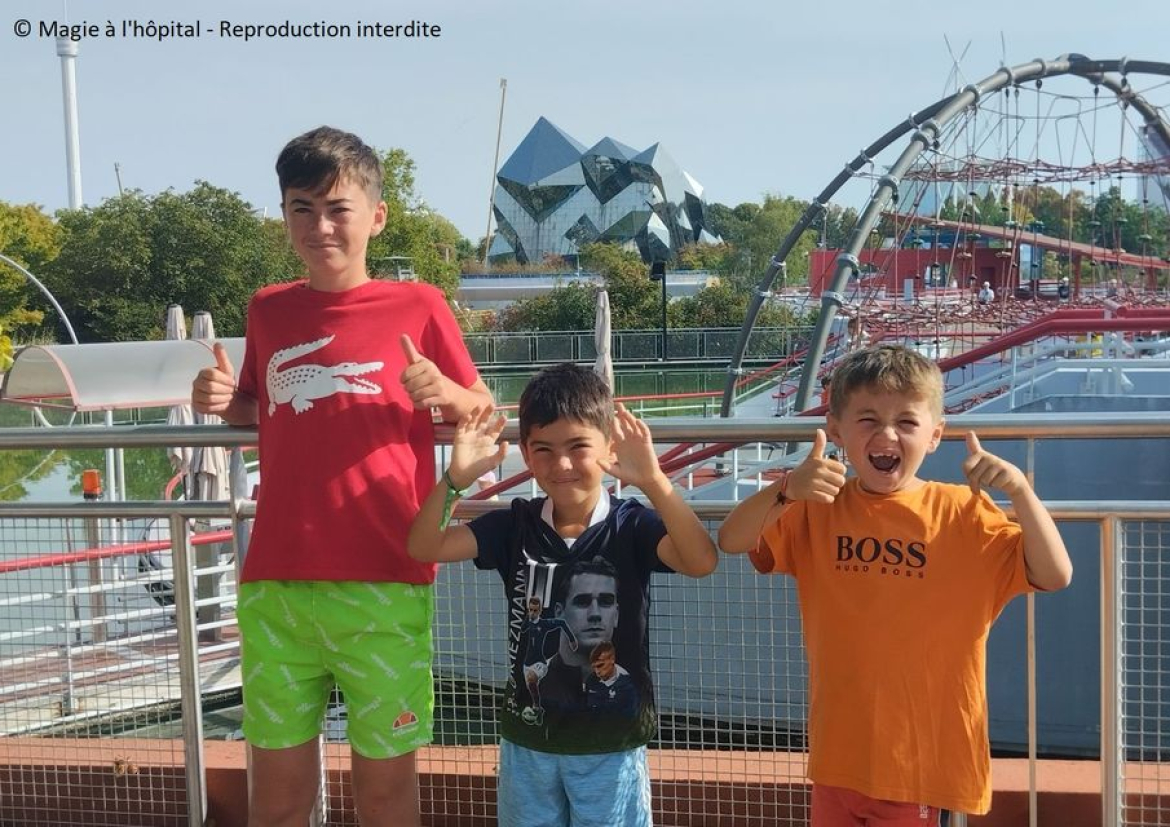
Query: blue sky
x=749 y=97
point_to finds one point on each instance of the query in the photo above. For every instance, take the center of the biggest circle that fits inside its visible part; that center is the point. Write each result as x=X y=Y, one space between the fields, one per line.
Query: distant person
x=1062 y=289
x=899 y=582
x=341 y=373
x=588 y=557
x=986 y=294
x=856 y=335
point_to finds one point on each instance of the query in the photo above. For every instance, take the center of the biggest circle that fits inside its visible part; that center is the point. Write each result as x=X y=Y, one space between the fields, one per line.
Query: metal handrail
x=665 y=429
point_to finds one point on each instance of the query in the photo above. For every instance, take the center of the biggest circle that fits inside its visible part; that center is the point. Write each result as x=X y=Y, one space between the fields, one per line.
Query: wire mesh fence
x=90 y=690
x=1145 y=658
x=91 y=730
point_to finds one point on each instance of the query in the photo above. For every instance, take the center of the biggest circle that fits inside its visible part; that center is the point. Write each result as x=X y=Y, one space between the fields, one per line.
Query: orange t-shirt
x=897 y=594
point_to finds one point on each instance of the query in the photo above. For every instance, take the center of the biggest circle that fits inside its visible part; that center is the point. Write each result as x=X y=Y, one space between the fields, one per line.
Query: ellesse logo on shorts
x=405 y=719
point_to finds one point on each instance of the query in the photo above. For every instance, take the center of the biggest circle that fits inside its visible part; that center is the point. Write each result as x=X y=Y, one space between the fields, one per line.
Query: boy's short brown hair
x=887 y=368
x=316 y=161
x=566 y=391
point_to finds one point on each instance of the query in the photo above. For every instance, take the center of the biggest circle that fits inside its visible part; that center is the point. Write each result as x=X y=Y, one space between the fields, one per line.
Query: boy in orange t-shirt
x=899 y=581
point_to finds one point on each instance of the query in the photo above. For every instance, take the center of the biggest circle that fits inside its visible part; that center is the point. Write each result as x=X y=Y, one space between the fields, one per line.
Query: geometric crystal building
x=553 y=196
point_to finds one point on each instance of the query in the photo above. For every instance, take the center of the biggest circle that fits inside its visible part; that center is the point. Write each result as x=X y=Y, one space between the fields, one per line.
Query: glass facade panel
x=554 y=196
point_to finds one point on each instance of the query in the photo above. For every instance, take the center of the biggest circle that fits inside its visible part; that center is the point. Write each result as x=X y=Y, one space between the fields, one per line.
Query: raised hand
x=213 y=388
x=425 y=384
x=818 y=478
x=474 y=451
x=984 y=469
x=634 y=460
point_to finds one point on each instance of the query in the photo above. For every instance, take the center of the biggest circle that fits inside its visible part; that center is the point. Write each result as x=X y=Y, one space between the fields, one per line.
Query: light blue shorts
x=544 y=789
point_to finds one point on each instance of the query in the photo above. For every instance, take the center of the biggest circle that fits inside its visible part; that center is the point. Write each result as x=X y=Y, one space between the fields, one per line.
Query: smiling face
x=562 y=456
x=330 y=231
x=886 y=436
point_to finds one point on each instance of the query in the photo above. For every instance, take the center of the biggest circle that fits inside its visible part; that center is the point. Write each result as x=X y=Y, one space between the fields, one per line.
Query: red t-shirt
x=345 y=458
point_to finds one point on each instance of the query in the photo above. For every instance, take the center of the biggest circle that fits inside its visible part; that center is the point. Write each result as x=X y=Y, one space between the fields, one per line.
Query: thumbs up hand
x=424 y=383
x=818 y=478
x=986 y=470
x=213 y=388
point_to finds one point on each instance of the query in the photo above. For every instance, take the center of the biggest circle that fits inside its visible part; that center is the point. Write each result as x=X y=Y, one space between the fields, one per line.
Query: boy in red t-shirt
x=341 y=373
x=899 y=581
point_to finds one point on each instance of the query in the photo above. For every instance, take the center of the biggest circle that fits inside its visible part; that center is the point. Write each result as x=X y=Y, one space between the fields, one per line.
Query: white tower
x=67 y=51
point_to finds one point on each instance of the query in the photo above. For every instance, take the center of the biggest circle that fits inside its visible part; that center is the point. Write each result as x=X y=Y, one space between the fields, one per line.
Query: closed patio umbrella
x=176 y=329
x=209 y=470
x=209 y=465
x=602 y=339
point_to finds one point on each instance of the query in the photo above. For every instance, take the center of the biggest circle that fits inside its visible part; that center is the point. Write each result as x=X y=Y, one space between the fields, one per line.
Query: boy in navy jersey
x=574 y=750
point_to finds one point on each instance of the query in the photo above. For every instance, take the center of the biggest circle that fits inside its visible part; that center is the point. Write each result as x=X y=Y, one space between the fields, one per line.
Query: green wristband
x=453 y=494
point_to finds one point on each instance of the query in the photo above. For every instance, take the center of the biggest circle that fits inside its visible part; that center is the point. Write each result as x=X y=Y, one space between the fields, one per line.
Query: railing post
x=1111 y=673
x=1030 y=603
x=190 y=698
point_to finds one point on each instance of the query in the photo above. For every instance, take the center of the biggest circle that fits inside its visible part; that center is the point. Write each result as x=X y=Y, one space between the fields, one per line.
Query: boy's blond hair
x=889 y=369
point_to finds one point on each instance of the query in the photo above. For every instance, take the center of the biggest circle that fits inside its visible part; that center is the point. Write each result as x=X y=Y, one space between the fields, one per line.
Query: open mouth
x=886 y=463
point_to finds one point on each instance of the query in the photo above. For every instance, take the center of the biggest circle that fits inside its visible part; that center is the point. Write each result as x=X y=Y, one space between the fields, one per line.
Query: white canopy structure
x=111 y=375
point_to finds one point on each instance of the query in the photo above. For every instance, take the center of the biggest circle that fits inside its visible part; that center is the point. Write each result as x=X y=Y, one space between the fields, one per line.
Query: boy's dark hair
x=594 y=565
x=320 y=158
x=890 y=369
x=566 y=391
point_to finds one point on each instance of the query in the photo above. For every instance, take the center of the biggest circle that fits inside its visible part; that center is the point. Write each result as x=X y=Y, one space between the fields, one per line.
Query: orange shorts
x=840 y=807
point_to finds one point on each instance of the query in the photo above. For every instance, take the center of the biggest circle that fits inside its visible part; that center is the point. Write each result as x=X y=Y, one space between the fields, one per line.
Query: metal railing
x=728 y=657
x=683 y=345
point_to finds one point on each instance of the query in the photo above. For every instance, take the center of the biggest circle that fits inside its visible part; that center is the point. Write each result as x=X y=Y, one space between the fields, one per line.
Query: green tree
x=634 y=300
x=768 y=228
x=714 y=257
x=413 y=230
x=568 y=307
x=32 y=239
x=122 y=262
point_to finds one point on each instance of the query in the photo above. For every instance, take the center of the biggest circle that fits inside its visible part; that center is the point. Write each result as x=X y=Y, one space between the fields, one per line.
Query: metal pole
x=665 y=350
x=67 y=51
x=112 y=492
x=191 y=693
x=487 y=238
x=45 y=292
x=92 y=491
x=1033 y=801
x=1111 y=673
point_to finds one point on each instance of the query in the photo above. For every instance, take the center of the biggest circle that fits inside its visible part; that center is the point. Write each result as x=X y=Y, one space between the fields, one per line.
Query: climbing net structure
x=1043 y=188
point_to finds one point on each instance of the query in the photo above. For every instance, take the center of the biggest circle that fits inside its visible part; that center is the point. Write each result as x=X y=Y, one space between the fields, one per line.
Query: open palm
x=474 y=448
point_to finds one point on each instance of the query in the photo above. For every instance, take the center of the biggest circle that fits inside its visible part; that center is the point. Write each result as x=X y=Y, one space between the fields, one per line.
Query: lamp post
x=1036 y=265
x=658 y=273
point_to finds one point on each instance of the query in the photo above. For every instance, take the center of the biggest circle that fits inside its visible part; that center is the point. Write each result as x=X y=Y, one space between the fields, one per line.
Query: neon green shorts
x=372 y=639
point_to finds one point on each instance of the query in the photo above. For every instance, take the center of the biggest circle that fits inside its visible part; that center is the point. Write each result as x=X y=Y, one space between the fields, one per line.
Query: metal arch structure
x=926 y=127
